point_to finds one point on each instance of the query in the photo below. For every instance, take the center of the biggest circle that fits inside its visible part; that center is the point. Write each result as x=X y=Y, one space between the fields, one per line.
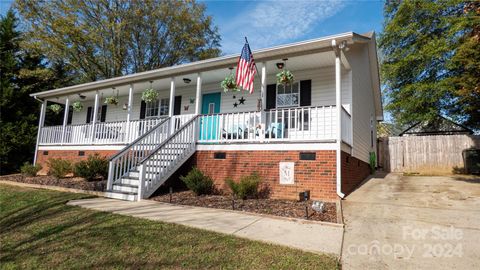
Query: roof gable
x=438 y=126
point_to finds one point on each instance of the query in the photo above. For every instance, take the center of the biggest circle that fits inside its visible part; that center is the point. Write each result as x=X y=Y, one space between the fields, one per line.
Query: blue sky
x=269 y=23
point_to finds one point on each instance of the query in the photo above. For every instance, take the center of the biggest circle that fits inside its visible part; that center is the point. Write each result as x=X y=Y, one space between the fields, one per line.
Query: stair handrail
x=138 y=139
x=127 y=158
x=153 y=152
x=141 y=184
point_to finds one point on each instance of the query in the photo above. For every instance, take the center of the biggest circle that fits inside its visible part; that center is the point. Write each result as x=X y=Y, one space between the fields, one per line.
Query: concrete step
x=125 y=188
x=126 y=196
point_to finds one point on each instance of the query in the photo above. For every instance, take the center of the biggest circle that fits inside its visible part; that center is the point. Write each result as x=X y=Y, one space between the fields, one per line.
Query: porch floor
x=310 y=236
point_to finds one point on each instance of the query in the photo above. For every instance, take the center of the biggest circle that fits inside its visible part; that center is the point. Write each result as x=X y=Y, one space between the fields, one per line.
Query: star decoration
x=235 y=105
x=234 y=97
x=242 y=101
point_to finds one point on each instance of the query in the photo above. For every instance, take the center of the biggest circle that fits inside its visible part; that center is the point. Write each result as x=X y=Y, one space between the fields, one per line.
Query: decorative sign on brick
x=287 y=173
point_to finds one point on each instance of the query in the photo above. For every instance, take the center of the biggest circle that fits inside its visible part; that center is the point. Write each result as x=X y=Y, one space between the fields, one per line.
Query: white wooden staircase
x=139 y=169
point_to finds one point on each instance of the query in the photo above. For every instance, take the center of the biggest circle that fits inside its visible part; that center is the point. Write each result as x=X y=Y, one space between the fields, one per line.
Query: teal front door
x=209 y=123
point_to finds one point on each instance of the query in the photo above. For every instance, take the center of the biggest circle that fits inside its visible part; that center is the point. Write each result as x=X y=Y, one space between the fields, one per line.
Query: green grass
x=38 y=231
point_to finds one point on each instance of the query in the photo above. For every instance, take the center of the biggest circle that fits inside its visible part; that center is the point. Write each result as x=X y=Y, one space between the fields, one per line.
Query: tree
x=108 y=38
x=21 y=73
x=431 y=60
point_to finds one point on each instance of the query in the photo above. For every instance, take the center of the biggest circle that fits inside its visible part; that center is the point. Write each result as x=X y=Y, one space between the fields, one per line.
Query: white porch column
x=263 y=97
x=94 y=121
x=198 y=98
x=41 y=122
x=338 y=109
x=171 y=105
x=129 y=113
x=65 y=119
x=172 y=97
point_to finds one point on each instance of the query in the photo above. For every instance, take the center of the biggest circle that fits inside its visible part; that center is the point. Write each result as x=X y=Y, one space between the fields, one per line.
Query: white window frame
x=297 y=84
x=158 y=108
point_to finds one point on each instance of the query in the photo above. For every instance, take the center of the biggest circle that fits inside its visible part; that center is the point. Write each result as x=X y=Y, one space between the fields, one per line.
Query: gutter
x=206 y=65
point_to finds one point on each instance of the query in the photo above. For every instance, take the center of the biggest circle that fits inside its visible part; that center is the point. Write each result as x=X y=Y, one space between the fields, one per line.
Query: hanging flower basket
x=150 y=95
x=111 y=100
x=55 y=108
x=229 y=84
x=285 y=77
x=77 y=106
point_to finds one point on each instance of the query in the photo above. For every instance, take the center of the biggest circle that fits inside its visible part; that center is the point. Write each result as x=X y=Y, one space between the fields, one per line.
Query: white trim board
x=80 y=147
x=267 y=147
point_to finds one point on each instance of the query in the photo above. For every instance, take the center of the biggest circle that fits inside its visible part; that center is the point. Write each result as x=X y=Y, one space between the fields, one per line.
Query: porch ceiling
x=303 y=62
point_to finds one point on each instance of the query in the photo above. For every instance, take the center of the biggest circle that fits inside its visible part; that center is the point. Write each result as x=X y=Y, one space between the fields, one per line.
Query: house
x=437 y=126
x=315 y=134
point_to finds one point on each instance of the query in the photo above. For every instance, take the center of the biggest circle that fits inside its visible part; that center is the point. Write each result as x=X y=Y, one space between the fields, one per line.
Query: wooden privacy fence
x=425 y=154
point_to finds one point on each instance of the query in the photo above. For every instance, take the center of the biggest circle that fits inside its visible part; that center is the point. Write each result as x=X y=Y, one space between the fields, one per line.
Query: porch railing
x=119 y=132
x=289 y=124
x=347 y=134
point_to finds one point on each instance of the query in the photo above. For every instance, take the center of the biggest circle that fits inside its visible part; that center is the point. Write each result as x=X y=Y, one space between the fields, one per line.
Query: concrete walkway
x=306 y=235
x=415 y=222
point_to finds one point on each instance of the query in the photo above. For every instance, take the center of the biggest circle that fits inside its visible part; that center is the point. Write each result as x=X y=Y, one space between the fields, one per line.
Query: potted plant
x=149 y=95
x=285 y=77
x=55 y=108
x=229 y=84
x=111 y=100
x=77 y=106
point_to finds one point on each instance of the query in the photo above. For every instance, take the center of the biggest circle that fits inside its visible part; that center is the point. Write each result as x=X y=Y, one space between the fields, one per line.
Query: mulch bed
x=284 y=208
x=69 y=182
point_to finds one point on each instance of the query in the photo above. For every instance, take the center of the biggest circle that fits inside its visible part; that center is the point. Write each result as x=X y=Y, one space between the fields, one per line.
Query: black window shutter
x=143 y=107
x=177 y=105
x=103 y=114
x=70 y=116
x=306 y=93
x=89 y=115
x=271 y=96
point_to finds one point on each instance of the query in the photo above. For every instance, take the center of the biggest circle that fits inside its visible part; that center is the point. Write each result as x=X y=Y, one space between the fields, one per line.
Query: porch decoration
x=285 y=77
x=55 y=108
x=77 y=106
x=111 y=100
x=150 y=95
x=241 y=101
x=229 y=84
x=192 y=100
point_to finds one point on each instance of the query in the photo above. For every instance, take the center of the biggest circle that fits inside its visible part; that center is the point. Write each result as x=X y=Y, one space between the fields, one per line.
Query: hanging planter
x=229 y=84
x=285 y=77
x=55 y=108
x=111 y=100
x=150 y=95
x=77 y=106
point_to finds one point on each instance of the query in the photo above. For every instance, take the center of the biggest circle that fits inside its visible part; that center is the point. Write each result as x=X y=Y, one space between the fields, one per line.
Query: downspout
x=338 y=104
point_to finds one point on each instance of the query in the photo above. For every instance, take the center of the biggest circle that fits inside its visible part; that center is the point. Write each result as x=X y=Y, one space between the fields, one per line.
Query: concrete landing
x=305 y=235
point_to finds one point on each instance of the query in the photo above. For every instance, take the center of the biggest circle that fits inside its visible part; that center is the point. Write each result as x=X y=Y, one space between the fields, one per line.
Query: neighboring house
x=315 y=134
x=437 y=126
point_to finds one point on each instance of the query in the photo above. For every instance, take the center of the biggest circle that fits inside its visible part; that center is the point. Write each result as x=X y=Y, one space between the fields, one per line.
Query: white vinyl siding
x=363 y=107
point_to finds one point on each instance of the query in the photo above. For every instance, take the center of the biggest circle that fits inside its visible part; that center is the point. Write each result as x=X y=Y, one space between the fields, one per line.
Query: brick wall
x=354 y=171
x=72 y=155
x=318 y=175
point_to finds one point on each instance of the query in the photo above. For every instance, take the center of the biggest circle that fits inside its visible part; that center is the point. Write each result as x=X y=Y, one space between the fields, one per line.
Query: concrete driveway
x=415 y=222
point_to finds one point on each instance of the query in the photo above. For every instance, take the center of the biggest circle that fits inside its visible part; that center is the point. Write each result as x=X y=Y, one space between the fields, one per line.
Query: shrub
x=198 y=182
x=247 y=187
x=30 y=169
x=59 y=167
x=373 y=161
x=95 y=166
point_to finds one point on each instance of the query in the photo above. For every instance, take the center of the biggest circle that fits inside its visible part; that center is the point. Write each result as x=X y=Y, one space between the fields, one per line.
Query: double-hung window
x=157 y=108
x=288 y=95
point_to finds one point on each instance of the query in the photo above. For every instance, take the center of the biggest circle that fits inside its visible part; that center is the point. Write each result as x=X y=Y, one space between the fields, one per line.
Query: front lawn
x=37 y=230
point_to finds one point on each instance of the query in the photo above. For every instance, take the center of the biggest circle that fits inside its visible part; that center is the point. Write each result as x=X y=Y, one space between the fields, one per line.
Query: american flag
x=246 y=69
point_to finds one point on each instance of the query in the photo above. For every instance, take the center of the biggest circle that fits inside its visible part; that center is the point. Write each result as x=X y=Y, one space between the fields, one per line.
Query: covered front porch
x=308 y=110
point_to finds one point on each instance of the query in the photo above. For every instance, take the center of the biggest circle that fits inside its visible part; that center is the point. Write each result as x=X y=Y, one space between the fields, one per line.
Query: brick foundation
x=72 y=155
x=318 y=175
x=354 y=171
